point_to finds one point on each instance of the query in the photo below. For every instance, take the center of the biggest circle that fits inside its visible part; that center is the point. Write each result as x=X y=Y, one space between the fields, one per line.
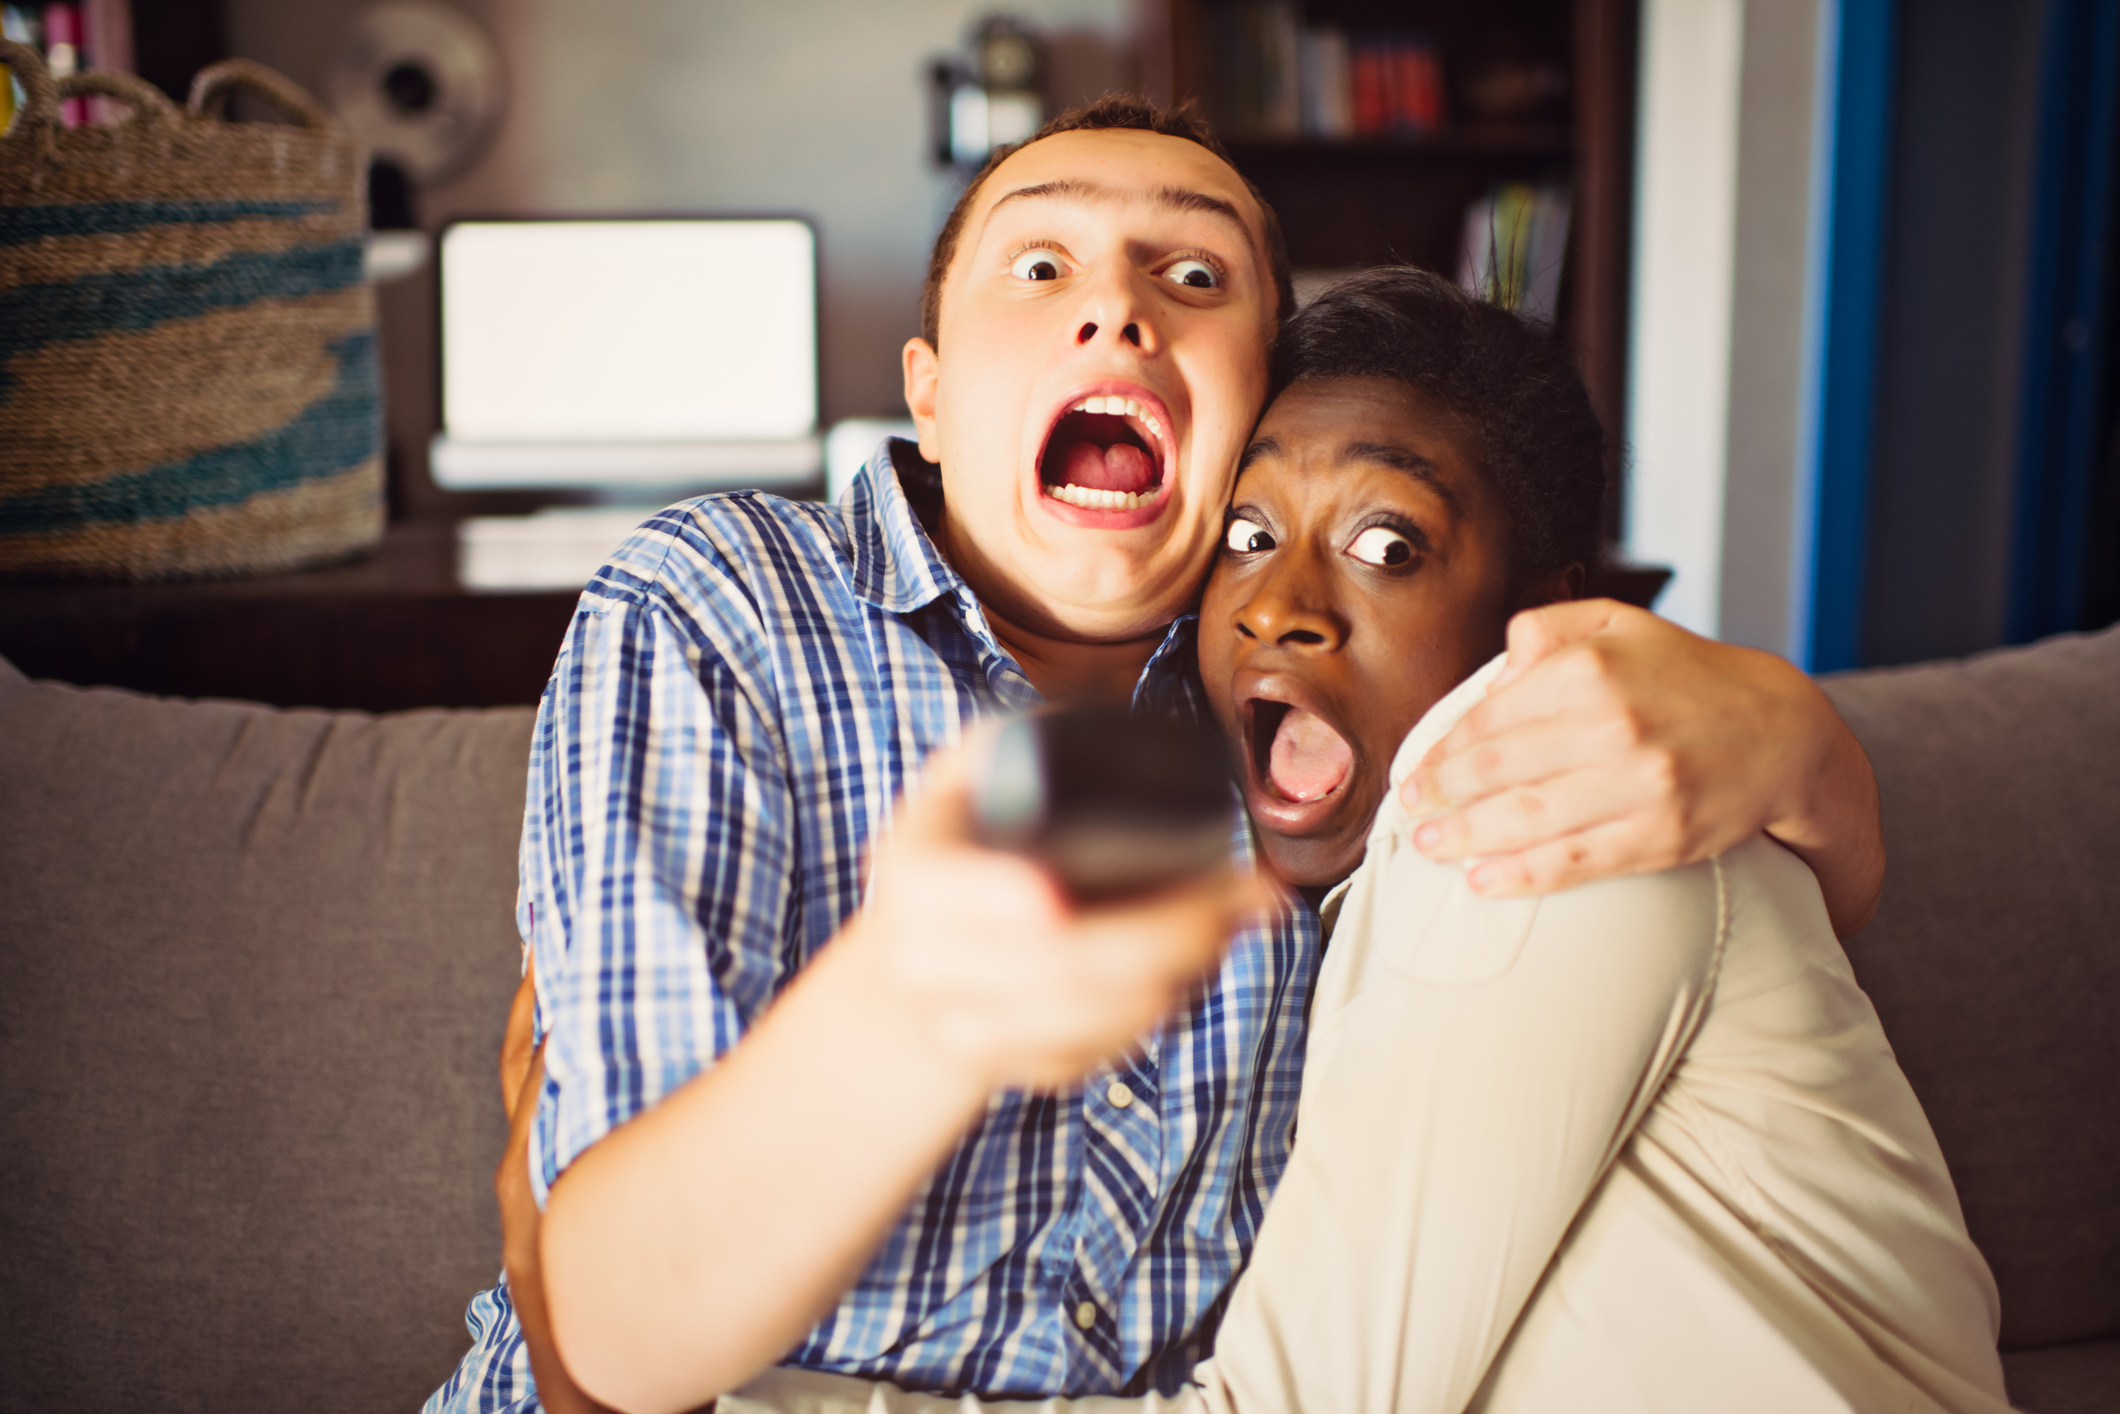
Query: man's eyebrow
x=1413 y=464
x=1184 y=199
x=1172 y=198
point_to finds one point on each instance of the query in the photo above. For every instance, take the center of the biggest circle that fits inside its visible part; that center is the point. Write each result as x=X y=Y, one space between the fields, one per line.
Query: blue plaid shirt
x=745 y=688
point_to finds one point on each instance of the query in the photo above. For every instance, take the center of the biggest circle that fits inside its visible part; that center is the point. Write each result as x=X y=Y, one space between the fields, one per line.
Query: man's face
x=1102 y=357
x=1363 y=575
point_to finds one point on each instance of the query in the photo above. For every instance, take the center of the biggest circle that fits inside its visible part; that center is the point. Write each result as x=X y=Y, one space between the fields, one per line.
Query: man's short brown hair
x=1114 y=111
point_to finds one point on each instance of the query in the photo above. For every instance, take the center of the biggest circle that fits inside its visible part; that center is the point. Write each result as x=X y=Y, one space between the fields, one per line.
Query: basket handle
x=149 y=104
x=210 y=91
x=40 y=105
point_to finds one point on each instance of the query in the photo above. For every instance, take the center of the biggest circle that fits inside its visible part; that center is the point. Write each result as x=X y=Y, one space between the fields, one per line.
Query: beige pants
x=1637 y=1146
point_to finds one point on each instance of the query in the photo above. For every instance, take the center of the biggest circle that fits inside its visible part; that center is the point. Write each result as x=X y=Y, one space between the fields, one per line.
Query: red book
x=1438 y=96
x=1366 y=78
x=1420 y=107
x=1405 y=89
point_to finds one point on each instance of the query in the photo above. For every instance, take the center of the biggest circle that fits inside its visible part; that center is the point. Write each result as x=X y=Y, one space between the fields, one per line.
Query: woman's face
x=1364 y=573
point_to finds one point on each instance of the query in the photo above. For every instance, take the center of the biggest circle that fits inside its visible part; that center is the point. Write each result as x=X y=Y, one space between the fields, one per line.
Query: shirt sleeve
x=1475 y=1066
x=657 y=856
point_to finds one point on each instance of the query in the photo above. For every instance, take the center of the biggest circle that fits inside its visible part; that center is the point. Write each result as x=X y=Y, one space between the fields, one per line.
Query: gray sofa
x=254 y=966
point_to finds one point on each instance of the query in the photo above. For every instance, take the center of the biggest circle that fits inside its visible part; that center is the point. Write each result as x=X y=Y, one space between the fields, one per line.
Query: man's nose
x=1291 y=607
x=1115 y=307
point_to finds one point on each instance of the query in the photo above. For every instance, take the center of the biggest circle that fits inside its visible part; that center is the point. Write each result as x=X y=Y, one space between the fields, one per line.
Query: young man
x=889 y=1173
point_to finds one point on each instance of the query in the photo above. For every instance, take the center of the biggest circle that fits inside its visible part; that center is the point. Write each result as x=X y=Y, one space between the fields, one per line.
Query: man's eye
x=1035 y=265
x=1381 y=545
x=1247 y=537
x=1193 y=274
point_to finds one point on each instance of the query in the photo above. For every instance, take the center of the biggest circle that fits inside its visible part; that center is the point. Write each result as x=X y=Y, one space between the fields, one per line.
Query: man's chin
x=1107 y=597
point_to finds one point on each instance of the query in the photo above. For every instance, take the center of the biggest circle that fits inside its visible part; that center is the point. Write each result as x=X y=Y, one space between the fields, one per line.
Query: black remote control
x=1113 y=803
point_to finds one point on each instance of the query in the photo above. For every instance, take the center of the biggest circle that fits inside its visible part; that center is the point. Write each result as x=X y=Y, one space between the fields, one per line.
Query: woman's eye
x=1193 y=274
x=1381 y=545
x=1035 y=265
x=1247 y=537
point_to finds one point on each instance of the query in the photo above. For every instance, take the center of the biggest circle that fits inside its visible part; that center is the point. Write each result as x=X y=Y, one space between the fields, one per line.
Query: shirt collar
x=894 y=500
x=896 y=565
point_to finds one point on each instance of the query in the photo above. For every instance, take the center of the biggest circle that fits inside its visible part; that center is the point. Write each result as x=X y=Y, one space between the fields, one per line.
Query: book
x=1398 y=85
x=1515 y=241
x=1327 y=88
x=62 y=54
x=1272 y=76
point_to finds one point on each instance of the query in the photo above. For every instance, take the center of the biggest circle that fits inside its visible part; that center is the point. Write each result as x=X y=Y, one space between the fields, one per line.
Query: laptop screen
x=599 y=333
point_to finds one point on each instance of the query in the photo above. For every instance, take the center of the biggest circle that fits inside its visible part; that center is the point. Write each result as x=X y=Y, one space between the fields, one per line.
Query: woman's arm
x=1618 y=743
x=1476 y=1067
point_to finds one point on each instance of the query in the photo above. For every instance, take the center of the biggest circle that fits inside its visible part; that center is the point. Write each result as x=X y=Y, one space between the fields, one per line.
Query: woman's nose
x=1289 y=608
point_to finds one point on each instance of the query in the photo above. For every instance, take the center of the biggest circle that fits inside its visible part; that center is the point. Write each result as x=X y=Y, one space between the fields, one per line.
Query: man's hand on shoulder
x=1616 y=742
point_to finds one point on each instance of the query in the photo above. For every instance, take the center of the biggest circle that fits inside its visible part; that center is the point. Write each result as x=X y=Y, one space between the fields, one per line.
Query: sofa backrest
x=254 y=966
x=1994 y=959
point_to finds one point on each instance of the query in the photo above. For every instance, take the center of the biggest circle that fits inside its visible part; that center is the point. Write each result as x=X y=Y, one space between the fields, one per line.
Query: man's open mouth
x=1296 y=756
x=1105 y=453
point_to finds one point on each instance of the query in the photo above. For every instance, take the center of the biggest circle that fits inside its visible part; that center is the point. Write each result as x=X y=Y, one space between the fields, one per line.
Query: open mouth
x=1106 y=453
x=1296 y=756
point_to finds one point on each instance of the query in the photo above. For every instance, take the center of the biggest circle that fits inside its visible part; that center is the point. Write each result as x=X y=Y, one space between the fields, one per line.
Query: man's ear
x=922 y=366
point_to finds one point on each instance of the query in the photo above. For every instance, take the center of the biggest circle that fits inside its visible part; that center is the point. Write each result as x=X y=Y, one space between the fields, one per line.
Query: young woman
x=1641 y=1145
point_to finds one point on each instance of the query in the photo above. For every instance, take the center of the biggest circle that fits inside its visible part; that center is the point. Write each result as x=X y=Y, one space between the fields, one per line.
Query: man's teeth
x=1091 y=498
x=1094 y=498
x=1112 y=405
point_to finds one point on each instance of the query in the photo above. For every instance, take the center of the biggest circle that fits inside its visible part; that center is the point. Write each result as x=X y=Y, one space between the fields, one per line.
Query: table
x=393 y=630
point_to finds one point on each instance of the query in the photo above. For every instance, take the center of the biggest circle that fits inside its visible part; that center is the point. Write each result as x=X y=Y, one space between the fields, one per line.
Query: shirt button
x=1086 y=1314
x=1119 y=1095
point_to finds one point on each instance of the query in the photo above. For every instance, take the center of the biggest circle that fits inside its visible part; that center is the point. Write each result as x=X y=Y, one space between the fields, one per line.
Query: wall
x=1678 y=373
x=1774 y=322
x=810 y=106
x=1950 y=339
x=1738 y=149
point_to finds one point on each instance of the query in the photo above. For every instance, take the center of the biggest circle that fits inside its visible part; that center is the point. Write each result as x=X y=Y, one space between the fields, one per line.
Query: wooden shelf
x=1536 y=144
x=1367 y=201
x=393 y=630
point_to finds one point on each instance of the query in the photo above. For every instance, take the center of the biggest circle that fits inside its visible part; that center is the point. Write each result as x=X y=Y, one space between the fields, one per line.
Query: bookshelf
x=1401 y=196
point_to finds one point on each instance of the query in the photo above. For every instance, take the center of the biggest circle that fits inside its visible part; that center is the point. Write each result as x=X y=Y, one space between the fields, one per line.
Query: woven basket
x=188 y=381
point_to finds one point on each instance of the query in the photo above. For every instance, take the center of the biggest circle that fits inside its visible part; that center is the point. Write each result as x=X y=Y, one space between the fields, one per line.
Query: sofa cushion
x=1994 y=959
x=256 y=965
x=2065 y=1379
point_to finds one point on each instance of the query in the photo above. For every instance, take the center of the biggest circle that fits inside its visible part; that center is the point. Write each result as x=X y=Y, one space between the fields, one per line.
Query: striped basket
x=188 y=380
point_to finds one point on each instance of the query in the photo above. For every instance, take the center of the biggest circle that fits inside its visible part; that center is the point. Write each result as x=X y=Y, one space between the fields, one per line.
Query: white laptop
x=629 y=356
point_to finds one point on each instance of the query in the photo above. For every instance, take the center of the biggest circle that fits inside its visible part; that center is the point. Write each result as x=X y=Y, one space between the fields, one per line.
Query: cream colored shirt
x=1640 y=1145
x=1637 y=1146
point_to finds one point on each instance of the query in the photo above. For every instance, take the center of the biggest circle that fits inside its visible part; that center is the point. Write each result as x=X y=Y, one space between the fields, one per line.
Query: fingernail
x=1428 y=837
x=1410 y=792
x=1482 y=879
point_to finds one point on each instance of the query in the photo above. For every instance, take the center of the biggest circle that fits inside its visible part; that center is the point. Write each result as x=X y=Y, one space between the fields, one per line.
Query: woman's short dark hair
x=1507 y=380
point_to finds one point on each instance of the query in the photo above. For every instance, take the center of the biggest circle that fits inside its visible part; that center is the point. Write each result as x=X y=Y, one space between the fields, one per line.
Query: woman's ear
x=1554 y=587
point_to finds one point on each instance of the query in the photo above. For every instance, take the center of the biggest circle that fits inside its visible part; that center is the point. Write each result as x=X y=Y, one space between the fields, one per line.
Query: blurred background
x=1839 y=271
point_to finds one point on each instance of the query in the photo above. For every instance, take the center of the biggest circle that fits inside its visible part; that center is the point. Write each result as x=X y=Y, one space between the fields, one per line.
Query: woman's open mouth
x=1105 y=453
x=1300 y=765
